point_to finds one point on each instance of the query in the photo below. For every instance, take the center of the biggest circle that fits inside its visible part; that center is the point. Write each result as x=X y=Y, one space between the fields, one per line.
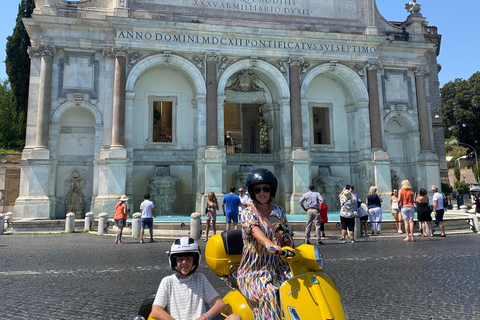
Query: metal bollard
x=357 y=232
x=2 y=223
x=474 y=222
x=195 y=225
x=70 y=222
x=88 y=221
x=102 y=223
x=136 y=225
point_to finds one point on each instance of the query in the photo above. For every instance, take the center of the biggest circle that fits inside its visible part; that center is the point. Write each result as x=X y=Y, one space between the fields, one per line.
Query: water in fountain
x=163 y=190
x=240 y=178
x=329 y=187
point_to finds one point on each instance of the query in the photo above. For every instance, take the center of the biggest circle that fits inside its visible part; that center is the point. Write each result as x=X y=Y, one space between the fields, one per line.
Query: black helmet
x=181 y=247
x=260 y=176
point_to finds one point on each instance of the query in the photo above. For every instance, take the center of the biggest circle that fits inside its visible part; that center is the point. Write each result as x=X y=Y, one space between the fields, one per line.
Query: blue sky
x=456 y=22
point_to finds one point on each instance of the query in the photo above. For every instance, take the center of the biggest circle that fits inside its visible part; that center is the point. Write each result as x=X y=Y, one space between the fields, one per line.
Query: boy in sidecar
x=183 y=295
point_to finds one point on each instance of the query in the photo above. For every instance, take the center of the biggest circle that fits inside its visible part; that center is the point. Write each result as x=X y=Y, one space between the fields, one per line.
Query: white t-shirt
x=439 y=197
x=185 y=298
x=243 y=199
x=146 y=208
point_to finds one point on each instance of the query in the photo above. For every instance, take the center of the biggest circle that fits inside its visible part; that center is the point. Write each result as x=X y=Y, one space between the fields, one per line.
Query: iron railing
x=236 y=146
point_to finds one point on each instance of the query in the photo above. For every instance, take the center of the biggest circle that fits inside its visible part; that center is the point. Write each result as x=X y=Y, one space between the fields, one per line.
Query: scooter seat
x=233 y=242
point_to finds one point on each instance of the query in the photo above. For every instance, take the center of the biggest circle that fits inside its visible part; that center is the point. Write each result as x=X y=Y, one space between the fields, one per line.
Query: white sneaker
x=400 y=231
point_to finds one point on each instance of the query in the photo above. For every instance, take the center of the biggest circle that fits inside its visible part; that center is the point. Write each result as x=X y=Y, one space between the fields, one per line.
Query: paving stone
x=82 y=276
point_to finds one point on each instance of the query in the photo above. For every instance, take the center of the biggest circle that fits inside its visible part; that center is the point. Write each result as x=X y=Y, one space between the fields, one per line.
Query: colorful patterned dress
x=261 y=273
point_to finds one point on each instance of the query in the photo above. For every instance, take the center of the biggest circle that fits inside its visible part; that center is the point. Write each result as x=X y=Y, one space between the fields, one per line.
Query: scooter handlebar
x=285 y=252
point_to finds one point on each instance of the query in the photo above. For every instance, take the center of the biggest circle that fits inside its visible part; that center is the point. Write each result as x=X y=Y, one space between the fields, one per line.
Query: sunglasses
x=265 y=189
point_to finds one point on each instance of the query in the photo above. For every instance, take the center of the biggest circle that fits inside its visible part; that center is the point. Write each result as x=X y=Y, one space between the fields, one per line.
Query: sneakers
x=352 y=241
x=319 y=243
x=307 y=242
x=342 y=240
x=400 y=231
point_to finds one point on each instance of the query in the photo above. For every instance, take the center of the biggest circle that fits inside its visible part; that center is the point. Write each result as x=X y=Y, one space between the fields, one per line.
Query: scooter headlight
x=319 y=257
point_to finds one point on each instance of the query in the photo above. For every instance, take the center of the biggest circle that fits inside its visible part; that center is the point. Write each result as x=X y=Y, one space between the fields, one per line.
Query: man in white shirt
x=147 y=208
x=243 y=199
x=438 y=208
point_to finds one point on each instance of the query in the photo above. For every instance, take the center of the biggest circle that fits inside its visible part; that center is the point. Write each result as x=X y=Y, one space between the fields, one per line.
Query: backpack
x=445 y=201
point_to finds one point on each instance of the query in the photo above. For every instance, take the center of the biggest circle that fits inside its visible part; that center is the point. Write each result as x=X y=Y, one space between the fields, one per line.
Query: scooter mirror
x=139 y=318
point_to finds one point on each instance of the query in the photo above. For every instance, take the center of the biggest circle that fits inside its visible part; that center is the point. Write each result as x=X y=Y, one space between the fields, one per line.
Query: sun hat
x=124 y=198
x=347 y=194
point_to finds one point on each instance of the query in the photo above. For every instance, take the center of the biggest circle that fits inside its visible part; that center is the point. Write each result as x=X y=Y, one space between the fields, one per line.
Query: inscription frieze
x=334 y=9
x=249 y=43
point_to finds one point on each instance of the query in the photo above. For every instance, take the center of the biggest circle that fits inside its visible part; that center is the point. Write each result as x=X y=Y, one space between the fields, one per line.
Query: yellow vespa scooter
x=309 y=294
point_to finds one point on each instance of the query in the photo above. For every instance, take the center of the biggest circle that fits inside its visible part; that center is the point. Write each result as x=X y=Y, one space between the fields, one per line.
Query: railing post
x=88 y=221
x=136 y=225
x=195 y=225
x=357 y=232
x=102 y=223
x=70 y=222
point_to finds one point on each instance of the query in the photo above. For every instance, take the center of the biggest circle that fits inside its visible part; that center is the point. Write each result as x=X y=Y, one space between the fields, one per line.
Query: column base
x=33 y=208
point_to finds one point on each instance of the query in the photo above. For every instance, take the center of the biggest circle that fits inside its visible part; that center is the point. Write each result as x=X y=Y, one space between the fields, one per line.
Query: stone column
x=118 y=124
x=425 y=142
x=374 y=105
x=295 y=102
x=212 y=114
x=45 y=93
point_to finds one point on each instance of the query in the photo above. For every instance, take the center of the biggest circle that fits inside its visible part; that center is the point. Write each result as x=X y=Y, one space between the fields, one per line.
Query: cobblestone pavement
x=82 y=276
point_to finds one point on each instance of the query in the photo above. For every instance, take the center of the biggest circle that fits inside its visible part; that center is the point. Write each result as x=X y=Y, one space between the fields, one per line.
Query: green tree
x=461 y=110
x=9 y=133
x=456 y=172
x=462 y=187
x=18 y=70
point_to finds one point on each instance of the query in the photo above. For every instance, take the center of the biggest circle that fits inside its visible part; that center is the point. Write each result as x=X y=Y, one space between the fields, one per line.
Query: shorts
x=232 y=219
x=439 y=215
x=121 y=222
x=147 y=222
x=408 y=213
x=348 y=223
x=364 y=218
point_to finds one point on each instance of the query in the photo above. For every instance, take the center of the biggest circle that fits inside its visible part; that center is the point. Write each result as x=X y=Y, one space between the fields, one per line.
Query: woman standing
x=424 y=212
x=347 y=215
x=120 y=217
x=406 y=200
x=395 y=210
x=211 y=209
x=262 y=272
x=374 y=204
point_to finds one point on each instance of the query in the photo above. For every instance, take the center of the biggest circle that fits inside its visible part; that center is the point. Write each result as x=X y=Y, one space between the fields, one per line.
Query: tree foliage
x=11 y=136
x=18 y=70
x=461 y=110
x=462 y=187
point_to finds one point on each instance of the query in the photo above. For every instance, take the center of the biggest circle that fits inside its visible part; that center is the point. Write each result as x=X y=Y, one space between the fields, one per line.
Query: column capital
x=41 y=51
x=295 y=61
x=115 y=51
x=211 y=56
x=421 y=70
x=374 y=65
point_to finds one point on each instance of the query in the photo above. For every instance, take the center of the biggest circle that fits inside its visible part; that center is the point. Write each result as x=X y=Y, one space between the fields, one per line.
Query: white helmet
x=181 y=247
